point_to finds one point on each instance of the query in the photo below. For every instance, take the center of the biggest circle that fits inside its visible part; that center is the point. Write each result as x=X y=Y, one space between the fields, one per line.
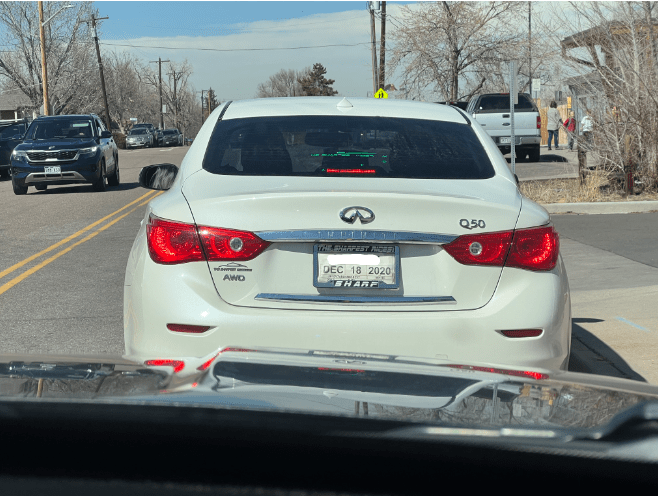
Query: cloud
x=235 y=74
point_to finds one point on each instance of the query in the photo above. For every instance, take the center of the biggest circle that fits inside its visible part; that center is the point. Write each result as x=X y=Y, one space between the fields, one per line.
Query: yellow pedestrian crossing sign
x=381 y=93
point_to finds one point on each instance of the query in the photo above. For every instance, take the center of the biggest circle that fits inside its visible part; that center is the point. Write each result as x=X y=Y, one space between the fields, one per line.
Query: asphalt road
x=71 y=304
x=64 y=251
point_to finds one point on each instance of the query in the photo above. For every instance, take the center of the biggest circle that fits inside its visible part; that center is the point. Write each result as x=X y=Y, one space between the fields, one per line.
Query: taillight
x=538 y=122
x=178 y=365
x=175 y=242
x=534 y=249
x=172 y=242
x=481 y=249
x=187 y=328
x=522 y=333
x=227 y=244
x=531 y=249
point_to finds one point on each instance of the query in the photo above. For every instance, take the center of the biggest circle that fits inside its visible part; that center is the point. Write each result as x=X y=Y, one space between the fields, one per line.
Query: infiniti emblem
x=350 y=214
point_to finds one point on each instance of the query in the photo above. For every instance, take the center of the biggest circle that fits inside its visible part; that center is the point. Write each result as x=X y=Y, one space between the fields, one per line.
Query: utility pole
x=382 y=49
x=203 y=115
x=159 y=62
x=372 y=6
x=44 y=70
x=530 y=45
x=177 y=76
x=94 y=34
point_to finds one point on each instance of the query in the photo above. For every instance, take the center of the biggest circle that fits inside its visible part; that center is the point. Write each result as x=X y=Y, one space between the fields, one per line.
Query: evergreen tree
x=315 y=84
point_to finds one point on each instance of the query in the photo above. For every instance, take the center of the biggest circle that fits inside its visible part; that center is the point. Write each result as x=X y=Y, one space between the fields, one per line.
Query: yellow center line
x=10 y=284
x=72 y=236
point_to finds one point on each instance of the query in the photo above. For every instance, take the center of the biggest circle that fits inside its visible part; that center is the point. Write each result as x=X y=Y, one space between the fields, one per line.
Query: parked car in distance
x=65 y=149
x=11 y=134
x=172 y=137
x=157 y=137
x=146 y=125
x=138 y=138
x=492 y=112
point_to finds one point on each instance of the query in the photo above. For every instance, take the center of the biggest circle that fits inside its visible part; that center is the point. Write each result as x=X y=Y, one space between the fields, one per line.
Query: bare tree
x=283 y=83
x=611 y=52
x=68 y=52
x=445 y=46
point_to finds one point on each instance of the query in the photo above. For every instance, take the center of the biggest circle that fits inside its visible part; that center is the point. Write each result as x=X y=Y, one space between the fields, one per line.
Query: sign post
x=513 y=100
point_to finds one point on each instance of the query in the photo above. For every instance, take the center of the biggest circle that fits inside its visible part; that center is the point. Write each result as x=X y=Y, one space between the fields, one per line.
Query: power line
x=233 y=49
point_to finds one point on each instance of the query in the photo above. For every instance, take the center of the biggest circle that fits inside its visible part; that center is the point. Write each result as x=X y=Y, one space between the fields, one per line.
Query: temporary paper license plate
x=356 y=266
x=52 y=170
x=505 y=140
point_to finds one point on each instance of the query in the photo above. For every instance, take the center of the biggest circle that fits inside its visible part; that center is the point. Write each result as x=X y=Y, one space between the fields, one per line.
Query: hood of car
x=56 y=144
x=332 y=383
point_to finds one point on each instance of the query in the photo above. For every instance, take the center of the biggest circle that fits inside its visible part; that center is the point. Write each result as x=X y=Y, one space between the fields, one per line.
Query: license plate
x=505 y=140
x=52 y=170
x=356 y=266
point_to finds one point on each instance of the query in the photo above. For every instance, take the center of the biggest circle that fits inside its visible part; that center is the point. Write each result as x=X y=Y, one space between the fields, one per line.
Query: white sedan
x=352 y=225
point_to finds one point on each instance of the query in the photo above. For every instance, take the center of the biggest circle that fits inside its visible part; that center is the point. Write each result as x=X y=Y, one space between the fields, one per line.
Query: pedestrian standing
x=586 y=126
x=553 y=123
x=570 y=124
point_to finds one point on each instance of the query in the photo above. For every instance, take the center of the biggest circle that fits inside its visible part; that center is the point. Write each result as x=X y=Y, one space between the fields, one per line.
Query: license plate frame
x=359 y=248
x=54 y=169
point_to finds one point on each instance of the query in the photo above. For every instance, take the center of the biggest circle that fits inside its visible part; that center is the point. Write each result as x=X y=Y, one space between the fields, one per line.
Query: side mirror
x=106 y=134
x=159 y=176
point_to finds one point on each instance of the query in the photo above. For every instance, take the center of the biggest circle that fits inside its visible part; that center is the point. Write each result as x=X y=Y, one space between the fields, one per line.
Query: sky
x=238 y=37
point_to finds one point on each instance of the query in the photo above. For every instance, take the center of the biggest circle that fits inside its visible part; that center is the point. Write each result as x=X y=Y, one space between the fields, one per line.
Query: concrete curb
x=621 y=207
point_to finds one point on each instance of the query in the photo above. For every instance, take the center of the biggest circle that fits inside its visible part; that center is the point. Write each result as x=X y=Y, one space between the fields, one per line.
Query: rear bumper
x=153 y=295
x=519 y=141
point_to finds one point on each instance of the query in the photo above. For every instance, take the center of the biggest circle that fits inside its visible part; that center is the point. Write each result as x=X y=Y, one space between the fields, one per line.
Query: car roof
x=68 y=116
x=319 y=105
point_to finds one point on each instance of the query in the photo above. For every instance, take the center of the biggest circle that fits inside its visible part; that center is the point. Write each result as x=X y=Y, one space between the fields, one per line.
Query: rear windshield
x=346 y=146
x=72 y=128
x=141 y=130
x=500 y=103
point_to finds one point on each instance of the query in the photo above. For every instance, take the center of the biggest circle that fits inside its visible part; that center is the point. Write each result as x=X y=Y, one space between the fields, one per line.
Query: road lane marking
x=10 y=284
x=622 y=319
x=69 y=238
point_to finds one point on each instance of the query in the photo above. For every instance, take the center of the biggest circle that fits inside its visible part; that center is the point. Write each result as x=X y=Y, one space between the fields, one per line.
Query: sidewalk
x=554 y=164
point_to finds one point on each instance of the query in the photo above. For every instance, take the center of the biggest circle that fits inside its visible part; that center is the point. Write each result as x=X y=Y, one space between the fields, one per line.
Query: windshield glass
x=134 y=132
x=60 y=128
x=369 y=147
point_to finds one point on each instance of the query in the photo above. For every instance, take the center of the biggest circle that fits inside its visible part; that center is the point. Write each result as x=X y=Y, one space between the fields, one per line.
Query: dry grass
x=597 y=188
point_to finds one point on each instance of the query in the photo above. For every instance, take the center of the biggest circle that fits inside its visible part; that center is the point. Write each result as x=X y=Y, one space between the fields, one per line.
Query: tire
x=101 y=184
x=41 y=187
x=19 y=190
x=534 y=154
x=113 y=180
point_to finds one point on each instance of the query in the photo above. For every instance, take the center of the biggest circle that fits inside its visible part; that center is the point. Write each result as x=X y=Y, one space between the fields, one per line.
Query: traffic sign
x=381 y=93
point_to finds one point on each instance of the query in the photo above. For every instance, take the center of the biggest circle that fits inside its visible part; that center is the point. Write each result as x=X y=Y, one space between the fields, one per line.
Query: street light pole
x=44 y=70
x=100 y=69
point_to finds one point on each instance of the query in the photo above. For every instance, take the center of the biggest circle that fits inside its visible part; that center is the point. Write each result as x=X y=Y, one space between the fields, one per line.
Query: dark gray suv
x=65 y=149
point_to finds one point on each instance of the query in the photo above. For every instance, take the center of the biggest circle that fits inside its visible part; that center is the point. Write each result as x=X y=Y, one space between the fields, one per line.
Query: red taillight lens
x=227 y=244
x=187 y=328
x=178 y=365
x=522 y=333
x=531 y=249
x=481 y=249
x=534 y=249
x=175 y=242
x=172 y=242
x=538 y=122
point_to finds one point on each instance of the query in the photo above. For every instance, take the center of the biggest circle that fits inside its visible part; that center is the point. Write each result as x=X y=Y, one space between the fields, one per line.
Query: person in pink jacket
x=570 y=124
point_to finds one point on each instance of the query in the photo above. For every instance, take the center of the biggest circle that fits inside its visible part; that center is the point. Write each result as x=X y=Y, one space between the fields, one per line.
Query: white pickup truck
x=492 y=112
